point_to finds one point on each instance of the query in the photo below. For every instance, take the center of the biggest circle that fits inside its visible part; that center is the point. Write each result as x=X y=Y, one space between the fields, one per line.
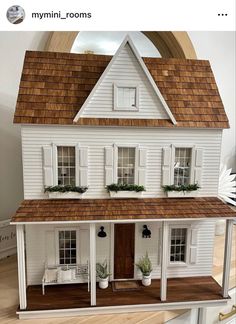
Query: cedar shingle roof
x=54 y=86
x=48 y=210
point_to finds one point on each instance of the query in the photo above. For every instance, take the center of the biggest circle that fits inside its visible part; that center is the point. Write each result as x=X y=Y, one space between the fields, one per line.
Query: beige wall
x=218 y=47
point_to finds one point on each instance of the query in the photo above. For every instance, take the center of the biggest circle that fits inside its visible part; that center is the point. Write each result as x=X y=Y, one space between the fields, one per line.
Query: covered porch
x=167 y=291
x=179 y=290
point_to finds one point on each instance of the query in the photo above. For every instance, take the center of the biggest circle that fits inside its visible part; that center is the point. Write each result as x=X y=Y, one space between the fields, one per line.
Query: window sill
x=177 y=264
x=182 y=194
x=65 y=195
x=126 y=108
x=126 y=194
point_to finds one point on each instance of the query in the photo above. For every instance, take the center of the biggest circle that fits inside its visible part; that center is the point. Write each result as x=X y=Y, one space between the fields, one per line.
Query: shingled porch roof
x=85 y=210
x=54 y=86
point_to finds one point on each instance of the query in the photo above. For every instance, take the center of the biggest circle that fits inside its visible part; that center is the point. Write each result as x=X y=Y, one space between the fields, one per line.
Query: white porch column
x=201 y=316
x=21 y=265
x=92 y=232
x=164 y=256
x=227 y=257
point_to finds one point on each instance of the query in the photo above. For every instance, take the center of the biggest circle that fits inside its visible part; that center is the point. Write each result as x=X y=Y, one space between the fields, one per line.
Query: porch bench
x=59 y=275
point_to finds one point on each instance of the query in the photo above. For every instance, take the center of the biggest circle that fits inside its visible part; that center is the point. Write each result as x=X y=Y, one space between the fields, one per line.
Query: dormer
x=126 y=89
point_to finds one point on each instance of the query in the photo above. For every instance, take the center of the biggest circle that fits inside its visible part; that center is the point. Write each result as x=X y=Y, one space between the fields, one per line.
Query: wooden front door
x=124 y=251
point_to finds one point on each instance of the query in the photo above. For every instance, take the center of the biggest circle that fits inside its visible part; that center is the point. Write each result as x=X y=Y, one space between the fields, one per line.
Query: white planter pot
x=146 y=281
x=65 y=195
x=126 y=194
x=103 y=283
x=182 y=194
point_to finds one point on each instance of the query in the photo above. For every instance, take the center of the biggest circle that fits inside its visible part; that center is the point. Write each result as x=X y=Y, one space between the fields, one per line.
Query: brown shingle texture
x=54 y=87
x=47 y=210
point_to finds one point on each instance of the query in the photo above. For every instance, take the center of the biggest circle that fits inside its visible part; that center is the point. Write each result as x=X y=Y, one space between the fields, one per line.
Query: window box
x=65 y=195
x=182 y=194
x=65 y=192
x=125 y=194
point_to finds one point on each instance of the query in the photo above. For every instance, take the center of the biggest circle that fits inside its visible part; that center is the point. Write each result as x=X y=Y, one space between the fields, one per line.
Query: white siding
x=96 y=139
x=125 y=69
x=149 y=245
x=40 y=248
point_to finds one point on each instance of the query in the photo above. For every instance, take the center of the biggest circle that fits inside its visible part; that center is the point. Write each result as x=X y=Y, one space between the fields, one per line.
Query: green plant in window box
x=187 y=188
x=124 y=187
x=67 y=188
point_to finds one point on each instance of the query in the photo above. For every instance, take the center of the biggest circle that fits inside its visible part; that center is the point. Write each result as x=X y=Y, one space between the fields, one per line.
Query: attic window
x=125 y=97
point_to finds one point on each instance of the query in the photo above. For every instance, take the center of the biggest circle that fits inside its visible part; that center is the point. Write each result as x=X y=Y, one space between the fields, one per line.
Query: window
x=66 y=165
x=125 y=97
x=67 y=246
x=178 y=245
x=126 y=165
x=182 y=166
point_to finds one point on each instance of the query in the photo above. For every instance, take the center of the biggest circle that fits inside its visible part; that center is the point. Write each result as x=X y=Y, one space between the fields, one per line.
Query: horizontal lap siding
x=33 y=138
x=205 y=246
x=125 y=69
x=40 y=248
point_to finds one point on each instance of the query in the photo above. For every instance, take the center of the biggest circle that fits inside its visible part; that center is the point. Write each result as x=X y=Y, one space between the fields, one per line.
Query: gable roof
x=84 y=210
x=54 y=86
x=127 y=40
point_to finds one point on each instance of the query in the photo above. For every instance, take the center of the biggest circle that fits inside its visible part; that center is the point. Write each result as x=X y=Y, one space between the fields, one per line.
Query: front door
x=124 y=251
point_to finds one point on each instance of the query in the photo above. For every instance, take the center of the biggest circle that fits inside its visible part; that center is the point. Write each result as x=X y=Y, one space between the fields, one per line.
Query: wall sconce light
x=146 y=232
x=101 y=233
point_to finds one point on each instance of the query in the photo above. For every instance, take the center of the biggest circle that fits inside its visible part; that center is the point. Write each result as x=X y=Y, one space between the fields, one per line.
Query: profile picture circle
x=15 y=14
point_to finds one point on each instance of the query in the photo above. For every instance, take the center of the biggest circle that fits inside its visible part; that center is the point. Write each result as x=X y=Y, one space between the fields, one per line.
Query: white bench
x=79 y=273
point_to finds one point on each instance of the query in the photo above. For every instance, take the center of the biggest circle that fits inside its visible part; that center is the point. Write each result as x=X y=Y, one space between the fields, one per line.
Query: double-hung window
x=67 y=242
x=182 y=166
x=126 y=165
x=66 y=165
x=126 y=97
x=178 y=245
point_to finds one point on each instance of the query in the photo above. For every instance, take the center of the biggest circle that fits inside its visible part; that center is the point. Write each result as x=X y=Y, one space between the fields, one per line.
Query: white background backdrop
x=218 y=47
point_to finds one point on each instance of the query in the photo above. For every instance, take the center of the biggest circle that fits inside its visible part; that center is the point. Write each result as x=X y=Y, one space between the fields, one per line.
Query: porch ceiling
x=63 y=210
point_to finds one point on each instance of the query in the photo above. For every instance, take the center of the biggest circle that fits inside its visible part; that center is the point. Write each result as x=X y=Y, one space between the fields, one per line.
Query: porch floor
x=77 y=295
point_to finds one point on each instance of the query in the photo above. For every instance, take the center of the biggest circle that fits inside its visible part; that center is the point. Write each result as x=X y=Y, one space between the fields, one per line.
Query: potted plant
x=117 y=190
x=183 y=191
x=103 y=274
x=145 y=266
x=65 y=192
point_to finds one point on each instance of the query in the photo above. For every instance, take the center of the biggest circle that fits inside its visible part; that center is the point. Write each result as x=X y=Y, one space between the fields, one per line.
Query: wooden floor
x=9 y=296
x=76 y=296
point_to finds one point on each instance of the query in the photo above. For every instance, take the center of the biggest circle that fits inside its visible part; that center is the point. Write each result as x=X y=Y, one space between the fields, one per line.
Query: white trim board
x=118 y=309
x=121 y=221
x=128 y=40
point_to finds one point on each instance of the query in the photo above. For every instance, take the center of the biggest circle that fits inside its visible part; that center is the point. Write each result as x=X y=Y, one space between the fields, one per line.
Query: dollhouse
x=121 y=163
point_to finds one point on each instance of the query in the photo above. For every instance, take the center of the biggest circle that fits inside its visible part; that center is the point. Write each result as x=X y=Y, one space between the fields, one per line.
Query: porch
x=168 y=291
x=179 y=290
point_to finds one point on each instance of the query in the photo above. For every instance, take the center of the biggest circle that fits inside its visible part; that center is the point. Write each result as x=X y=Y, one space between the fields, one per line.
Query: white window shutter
x=166 y=166
x=83 y=166
x=83 y=174
x=194 y=232
x=142 y=162
x=198 y=166
x=193 y=254
x=193 y=245
x=47 y=166
x=109 y=165
x=77 y=166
